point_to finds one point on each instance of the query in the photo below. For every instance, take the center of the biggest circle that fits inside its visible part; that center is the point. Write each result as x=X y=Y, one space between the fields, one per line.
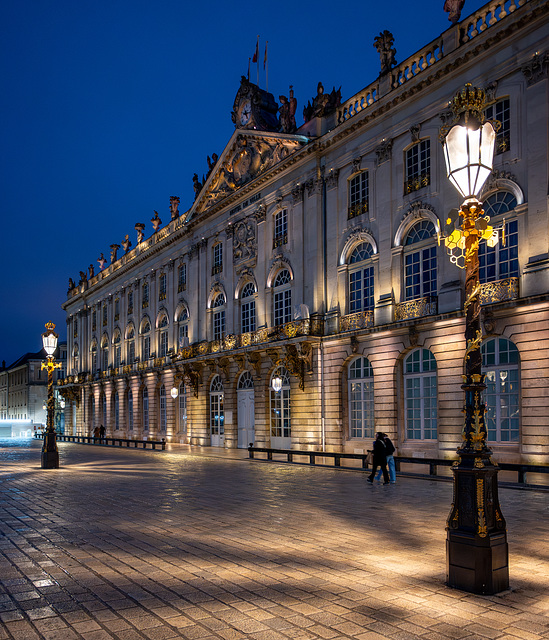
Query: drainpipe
x=324 y=294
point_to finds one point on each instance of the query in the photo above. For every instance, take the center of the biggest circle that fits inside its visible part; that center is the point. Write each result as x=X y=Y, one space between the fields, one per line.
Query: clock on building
x=254 y=108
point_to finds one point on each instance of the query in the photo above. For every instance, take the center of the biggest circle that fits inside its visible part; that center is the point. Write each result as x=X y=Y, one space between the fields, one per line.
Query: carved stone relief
x=384 y=151
x=245 y=243
x=536 y=69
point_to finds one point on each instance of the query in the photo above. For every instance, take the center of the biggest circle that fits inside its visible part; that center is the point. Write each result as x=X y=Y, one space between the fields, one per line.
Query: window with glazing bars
x=501 y=112
x=280 y=228
x=358 y=194
x=418 y=166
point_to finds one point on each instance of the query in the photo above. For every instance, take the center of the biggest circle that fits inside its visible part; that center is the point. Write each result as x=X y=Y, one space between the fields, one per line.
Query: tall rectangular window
x=182 y=278
x=358 y=194
x=282 y=307
x=217 y=258
x=418 y=167
x=162 y=286
x=280 y=236
x=501 y=112
x=361 y=290
x=219 y=324
x=130 y=303
x=421 y=274
x=105 y=312
x=117 y=308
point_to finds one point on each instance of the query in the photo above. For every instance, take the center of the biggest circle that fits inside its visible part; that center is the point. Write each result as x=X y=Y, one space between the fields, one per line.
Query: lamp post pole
x=476 y=542
x=50 y=452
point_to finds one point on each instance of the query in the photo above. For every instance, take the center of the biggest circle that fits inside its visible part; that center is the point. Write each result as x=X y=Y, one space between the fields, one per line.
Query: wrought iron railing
x=353 y=321
x=417 y=182
x=499 y=291
x=358 y=208
x=416 y=308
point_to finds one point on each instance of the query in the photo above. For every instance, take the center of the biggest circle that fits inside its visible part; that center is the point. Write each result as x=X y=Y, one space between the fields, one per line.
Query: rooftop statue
x=287 y=111
x=101 y=261
x=384 y=44
x=323 y=104
x=127 y=243
x=197 y=185
x=174 y=206
x=140 y=228
x=156 y=221
x=91 y=269
x=454 y=8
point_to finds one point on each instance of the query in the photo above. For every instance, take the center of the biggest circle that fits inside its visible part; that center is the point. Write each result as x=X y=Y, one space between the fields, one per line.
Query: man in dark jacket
x=380 y=458
x=389 y=450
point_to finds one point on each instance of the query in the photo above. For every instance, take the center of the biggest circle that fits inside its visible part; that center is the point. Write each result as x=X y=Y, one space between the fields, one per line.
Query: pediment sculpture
x=248 y=158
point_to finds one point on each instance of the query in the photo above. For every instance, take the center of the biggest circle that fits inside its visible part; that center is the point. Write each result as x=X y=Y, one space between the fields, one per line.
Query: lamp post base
x=477 y=554
x=50 y=452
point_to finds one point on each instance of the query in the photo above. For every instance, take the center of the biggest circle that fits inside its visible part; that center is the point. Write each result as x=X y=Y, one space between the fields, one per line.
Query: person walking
x=389 y=450
x=380 y=459
x=102 y=432
x=96 y=434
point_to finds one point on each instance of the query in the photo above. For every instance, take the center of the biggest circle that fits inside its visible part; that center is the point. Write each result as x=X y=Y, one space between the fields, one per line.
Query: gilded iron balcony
x=181 y=287
x=217 y=268
x=418 y=308
x=499 y=291
x=358 y=208
x=417 y=182
x=280 y=240
x=354 y=321
x=162 y=296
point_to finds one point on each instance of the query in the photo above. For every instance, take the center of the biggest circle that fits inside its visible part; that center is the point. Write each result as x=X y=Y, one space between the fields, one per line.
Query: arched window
x=420 y=395
x=183 y=327
x=130 y=410
x=420 y=262
x=105 y=352
x=217 y=413
x=130 y=337
x=500 y=262
x=117 y=349
x=361 y=399
x=163 y=411
x=145 y=406
x=246 y=381
x=182 y=408
x=281 y=426
x=145 y=340
x=500 y=365
x=247 y=308
x=116 y=411
x=282 y=307
x=93 y=351
x=163 y=336
x=218 y=305
x=361 y=279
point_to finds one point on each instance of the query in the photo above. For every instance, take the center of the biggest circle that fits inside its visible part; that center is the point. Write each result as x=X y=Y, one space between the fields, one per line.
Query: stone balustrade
x=358 y=102
x=417 y=63
x=486 y=17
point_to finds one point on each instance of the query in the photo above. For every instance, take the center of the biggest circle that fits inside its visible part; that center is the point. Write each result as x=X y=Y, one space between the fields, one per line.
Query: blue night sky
x=108 y=108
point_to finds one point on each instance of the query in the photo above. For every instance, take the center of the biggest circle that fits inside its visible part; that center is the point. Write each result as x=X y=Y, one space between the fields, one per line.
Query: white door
x=246 y=418
x=217 y=413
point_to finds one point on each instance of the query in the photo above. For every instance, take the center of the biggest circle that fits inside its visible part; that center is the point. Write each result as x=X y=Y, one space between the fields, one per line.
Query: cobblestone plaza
x=182 y=544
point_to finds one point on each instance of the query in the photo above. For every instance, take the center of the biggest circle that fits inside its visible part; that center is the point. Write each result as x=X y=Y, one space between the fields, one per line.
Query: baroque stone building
x=311 y=255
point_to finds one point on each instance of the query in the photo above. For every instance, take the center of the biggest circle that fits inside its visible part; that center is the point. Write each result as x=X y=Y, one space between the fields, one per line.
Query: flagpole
x=249 y=60
x=266 y=66
x=257 y=59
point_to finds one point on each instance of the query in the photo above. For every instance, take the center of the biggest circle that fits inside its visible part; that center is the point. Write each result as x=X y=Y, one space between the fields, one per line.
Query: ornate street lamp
x=174 y=392
x=50 y=453
x=276 y=383
x=476 y=543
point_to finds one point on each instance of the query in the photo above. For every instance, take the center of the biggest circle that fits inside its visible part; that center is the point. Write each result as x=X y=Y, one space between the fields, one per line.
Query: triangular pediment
x=248 y=155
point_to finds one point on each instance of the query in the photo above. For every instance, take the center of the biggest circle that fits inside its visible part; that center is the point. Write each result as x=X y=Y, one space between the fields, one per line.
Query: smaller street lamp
x=476 y=542
x=50 y=453
x=174 y=392
x=276 y=384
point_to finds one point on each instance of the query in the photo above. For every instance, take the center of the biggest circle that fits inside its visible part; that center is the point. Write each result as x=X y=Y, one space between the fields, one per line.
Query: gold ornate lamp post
x=476 y=543
x=50 y=453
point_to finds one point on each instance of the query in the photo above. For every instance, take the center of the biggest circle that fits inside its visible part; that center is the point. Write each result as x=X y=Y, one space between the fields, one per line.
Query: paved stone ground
x=158 y=545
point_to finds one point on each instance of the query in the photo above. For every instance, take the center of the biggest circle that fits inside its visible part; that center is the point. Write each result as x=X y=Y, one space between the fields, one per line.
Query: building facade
x=24 y=390
x=310 y=256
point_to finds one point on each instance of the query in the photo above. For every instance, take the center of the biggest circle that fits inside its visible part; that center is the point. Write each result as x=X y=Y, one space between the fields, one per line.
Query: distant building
x=310 y=256
x=23 y=390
